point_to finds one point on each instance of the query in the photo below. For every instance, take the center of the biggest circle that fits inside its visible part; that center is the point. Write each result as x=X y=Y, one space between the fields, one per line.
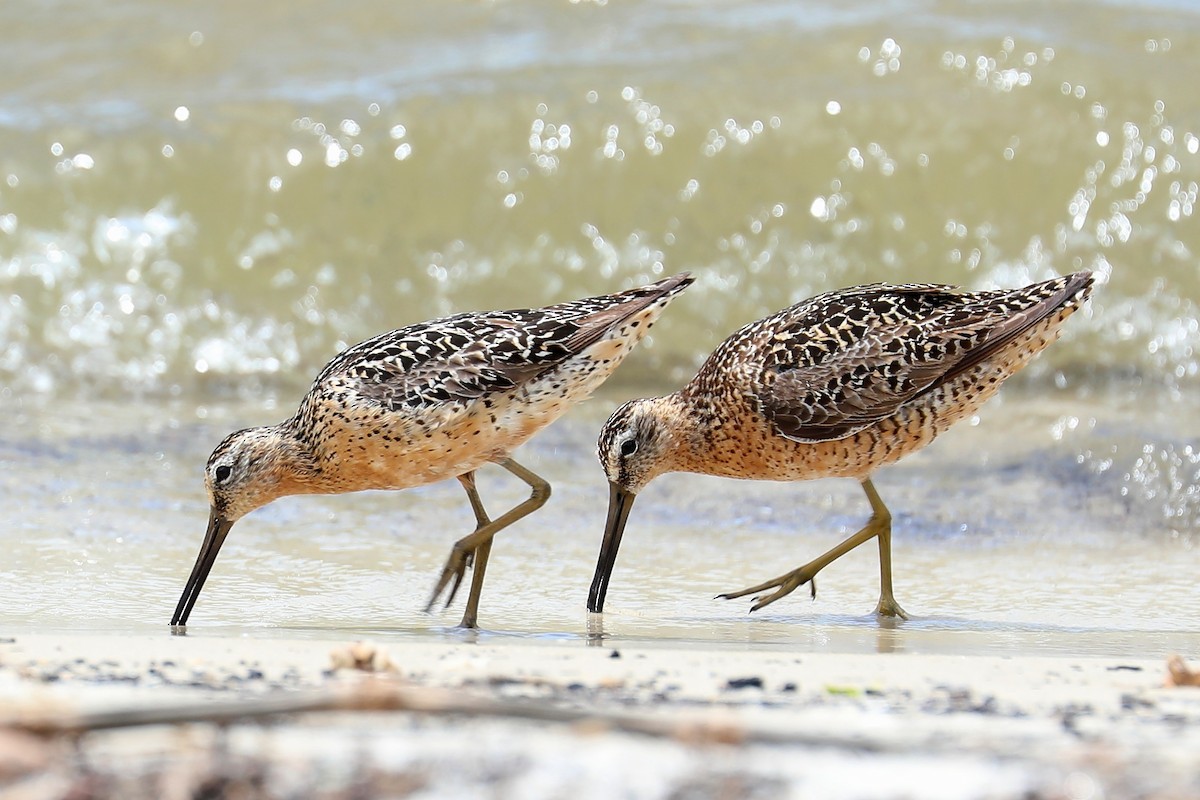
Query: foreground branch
x=384 y=695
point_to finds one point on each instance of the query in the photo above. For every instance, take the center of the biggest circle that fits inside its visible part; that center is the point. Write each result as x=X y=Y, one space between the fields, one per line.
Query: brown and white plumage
x=431 y=401
x=835 y=386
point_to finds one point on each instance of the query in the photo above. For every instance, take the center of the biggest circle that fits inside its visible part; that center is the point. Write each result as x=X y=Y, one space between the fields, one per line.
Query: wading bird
x=836 y=386
x=435 y=400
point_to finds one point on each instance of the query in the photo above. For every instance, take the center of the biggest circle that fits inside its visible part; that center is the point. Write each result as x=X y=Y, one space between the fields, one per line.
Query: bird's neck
x=708 y=436
x=300 y=469
x=691 y=430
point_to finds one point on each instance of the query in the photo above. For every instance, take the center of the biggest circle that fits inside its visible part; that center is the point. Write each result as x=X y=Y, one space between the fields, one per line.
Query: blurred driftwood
x=384 y=695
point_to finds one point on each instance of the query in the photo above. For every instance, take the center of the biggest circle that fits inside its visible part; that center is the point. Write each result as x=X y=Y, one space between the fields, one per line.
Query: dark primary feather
x=841 y=361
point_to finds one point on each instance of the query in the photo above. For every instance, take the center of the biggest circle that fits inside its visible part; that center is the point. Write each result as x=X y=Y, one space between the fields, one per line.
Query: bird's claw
x=456 y=567
x=783 y=586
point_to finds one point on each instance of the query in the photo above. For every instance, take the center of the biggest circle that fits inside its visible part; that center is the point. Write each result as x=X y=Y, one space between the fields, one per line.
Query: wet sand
x=1047 y=565
x=636 y=722
x=1046 y=600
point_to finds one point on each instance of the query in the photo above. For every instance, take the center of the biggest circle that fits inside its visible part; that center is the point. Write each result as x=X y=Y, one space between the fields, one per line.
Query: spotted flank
x=431 y=401
x=835 y=386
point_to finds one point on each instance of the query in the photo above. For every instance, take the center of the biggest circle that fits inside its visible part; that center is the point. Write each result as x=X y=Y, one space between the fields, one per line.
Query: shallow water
x=192 y=223
x=1009 y=537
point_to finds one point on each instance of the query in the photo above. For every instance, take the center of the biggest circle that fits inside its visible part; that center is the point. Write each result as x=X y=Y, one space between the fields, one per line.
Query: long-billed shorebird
x=835 y=386
x=435 y=400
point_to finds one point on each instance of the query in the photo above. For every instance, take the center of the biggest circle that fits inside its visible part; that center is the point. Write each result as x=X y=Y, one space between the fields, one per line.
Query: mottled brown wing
x=460 y=358
x=858 y=385
x=851 y=361
x=455 y=359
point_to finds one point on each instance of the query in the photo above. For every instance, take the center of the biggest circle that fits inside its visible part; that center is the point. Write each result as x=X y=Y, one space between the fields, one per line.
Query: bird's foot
x=783 y=585
x=456 y=567
x=888 y=607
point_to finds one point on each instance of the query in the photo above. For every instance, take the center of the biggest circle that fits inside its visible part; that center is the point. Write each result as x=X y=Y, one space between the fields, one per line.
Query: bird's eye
x=221 y=473
x=629 y=447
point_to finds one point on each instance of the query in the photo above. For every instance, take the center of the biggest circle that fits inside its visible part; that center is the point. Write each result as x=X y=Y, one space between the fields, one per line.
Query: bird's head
x=636 y=445
x=247 y=470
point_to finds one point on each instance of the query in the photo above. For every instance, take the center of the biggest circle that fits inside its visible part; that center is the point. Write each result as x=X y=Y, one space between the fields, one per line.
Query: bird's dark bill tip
x=214 y=537
x=620 y=501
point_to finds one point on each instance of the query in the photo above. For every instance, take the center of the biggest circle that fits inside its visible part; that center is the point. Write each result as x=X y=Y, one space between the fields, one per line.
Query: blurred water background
x=200 y=203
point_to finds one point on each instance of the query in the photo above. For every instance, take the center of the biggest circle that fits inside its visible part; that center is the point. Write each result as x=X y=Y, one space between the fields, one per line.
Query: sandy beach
x=1033 y=667
x=556 y=719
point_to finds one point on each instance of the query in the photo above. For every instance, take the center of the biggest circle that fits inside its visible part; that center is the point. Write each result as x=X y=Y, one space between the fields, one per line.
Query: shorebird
x=835 y=386
x=435 y=400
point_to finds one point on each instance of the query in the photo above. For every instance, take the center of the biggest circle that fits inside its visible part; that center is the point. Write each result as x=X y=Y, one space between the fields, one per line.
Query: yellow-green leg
x=878 y=526
x=479 y=543
x=887 y=605
x=479 y=557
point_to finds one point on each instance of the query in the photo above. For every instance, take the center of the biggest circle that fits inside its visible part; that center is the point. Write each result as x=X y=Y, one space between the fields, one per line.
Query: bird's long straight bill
x=620 y=502
x=218 y=529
